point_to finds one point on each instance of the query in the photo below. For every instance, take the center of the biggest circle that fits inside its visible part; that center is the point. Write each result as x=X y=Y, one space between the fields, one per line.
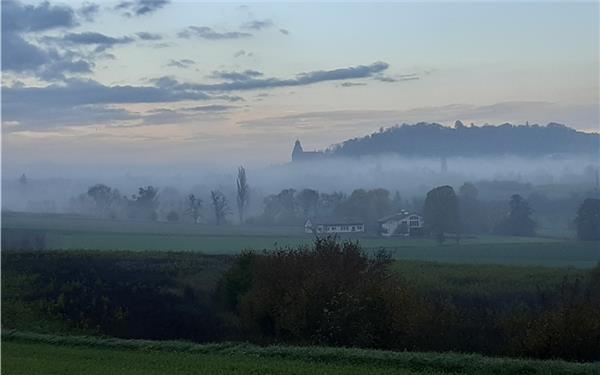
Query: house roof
x=335 y=221
x=397 y=216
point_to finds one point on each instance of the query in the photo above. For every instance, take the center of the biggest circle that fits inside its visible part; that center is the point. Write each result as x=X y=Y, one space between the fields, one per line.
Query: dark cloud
x=140 y=7
x=94 y=38
x=21 y=103
x=148 y=36
x=284 y=31
x=17 y=17
x=183 y=63
x=258 y=25
x=360 y=71
x=22 y=57
x=235 y=76
x=205 y=32
x=19 y=55
x=88 y=11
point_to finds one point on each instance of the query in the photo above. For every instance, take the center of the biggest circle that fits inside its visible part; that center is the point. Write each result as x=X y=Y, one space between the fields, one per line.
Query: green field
x=76 y=232
x=26 y=353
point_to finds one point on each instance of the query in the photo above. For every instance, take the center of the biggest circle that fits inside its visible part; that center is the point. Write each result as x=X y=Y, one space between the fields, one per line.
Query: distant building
x=298 y=154
x=403 y=223
x=324 y=225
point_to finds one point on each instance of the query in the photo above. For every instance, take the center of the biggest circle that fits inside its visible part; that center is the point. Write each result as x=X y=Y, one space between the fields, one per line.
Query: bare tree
x=220 y=206
x=194 y=207
x=243 y=193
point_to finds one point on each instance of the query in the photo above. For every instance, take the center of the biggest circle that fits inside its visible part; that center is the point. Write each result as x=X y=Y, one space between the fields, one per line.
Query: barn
x=333 y=225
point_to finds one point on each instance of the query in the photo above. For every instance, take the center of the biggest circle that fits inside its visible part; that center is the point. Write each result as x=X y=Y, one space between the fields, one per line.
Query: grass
x=483 y=280
x=27 y=353
x=76 y=232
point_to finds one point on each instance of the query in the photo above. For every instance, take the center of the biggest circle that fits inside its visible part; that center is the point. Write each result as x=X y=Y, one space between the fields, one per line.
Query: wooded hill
x=435 y=140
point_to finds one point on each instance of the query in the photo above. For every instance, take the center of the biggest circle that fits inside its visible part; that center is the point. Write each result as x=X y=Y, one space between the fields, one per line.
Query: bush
x=329 y=294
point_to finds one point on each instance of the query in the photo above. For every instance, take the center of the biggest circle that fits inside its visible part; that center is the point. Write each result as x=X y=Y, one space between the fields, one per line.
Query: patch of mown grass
x=66 y=354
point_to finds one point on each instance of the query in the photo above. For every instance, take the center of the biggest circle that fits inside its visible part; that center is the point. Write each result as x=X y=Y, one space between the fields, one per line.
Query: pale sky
x=165 y=82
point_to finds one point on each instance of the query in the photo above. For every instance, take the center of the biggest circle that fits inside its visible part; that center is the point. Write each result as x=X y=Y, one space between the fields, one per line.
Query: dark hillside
x=435 y=140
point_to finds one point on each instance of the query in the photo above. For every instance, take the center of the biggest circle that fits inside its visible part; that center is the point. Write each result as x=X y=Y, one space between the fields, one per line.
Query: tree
x=329 y=203
x=194 y=207
x=518 y=222
x=219 y=203
x=144 y=204
x=441 y=212
x=472 y=217
x=243 y=193
x=308 y=200
x=172 y=216
x=23 y=180
x=588 y=220
x=103 y=197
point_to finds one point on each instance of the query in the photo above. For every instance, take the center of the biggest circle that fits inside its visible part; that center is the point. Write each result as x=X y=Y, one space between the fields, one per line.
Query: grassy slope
x=74 y=232
x=26 y=353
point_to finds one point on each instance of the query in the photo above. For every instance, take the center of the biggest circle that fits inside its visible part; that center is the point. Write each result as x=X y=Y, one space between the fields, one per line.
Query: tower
x=297 y=152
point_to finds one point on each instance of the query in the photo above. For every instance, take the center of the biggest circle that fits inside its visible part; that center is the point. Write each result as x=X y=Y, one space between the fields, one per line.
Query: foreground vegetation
x=330 y=294
x=27 y=353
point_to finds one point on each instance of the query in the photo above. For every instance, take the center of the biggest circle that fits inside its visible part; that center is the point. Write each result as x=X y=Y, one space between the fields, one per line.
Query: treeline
x=330 y=294
x=435 y=140
x=446 y=211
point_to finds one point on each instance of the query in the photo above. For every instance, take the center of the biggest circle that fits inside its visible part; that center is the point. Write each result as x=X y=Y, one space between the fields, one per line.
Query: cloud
x=585 y=116
x=355 y=72
x=210 y=108
x=258 y=25
x=208 y=33
x=284 y=31
x=88 y=11
x=17 y=17
x=140 y=7
x=20 y=56
x=184 y=63
x=95 y=39
x=20 y=103
x=242 y=53
x=53 y=105
x=397 y=78
x=235 y=76
x=352 y=84
x=148 y=36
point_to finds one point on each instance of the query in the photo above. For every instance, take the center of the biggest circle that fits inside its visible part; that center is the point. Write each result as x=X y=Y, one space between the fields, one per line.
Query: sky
x=160 y=83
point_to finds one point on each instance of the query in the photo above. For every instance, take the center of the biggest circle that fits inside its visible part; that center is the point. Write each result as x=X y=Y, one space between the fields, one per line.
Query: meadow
x=69 y=232
x=27 y=353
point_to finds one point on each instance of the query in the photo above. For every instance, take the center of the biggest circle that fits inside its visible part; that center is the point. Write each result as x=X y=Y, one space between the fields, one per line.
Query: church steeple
x=298 y=151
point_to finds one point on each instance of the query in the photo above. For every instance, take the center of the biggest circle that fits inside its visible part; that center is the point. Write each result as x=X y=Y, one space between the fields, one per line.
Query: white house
x=333 y=226
x=403 y=223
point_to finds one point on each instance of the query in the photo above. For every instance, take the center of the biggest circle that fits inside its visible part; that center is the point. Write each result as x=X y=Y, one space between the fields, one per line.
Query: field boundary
x=416 y=361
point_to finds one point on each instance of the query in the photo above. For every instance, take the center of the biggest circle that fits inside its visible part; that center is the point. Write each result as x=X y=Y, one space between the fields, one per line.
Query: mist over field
x=50 y=190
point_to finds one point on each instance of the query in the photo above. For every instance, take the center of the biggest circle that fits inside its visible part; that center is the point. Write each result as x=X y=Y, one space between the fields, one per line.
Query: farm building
x=403 y=223
x=316 y=225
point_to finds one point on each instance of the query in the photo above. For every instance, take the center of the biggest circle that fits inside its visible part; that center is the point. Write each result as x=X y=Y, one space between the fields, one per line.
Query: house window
x=345 y=228
x=414 y=223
